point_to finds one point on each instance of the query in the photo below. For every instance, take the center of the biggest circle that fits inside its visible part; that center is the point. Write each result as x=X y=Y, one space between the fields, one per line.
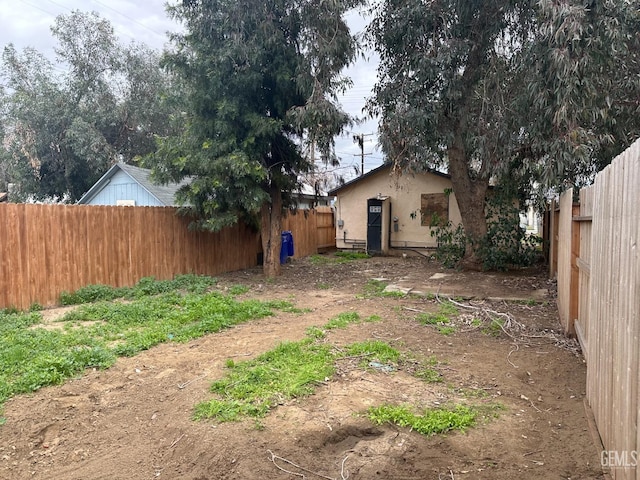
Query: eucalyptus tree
x=582 y=89
x=66 y=122
x=537 y=89
x=261 y=82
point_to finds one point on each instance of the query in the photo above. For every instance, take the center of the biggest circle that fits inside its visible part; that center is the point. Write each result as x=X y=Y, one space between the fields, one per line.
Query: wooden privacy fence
x=47 y=249
x=598 y=271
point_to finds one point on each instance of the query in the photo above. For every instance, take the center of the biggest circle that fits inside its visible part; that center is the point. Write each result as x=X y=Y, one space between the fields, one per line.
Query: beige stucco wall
x=404 y=193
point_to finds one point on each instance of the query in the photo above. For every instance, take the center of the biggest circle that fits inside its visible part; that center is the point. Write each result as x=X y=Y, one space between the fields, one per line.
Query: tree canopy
x=261 y=80
x=66 y=123
x=524 y=91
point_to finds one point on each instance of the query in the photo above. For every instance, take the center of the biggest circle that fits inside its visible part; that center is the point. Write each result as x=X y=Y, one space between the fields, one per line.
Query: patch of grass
x=373 y=318
x=340 y=257
x=291 y=370
x=252 y=388
x=34 y=357
x=471 y=392
x=446 y=329
x=375 y=288
x=342 y=320
x=238 y=289
x=494 y=328
x=344 y=256
x=35 y=307
x=373 y=350
x=446 y=311
x=530 y=302
x=147 y=286
x=429 y=375
x=430 y=422
x=323 y=286
x=315 y=332
x=319 y=259
x=432 y=360
x=95 y=334
x=285 y=306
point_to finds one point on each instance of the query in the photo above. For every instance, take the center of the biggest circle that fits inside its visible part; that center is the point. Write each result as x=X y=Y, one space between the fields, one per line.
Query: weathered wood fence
x=598 y=271
x=47 y=249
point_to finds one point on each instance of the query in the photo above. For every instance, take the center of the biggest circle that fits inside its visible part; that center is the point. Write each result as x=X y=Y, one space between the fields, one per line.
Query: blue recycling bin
x=286 y=250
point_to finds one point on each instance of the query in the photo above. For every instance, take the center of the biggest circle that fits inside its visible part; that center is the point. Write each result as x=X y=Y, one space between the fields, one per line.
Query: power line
x=38 y=8
x=128 y=17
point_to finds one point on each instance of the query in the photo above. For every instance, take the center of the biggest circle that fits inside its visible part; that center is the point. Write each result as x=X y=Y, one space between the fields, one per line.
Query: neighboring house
x=308 y=198
x=130 y=186
x=380 y=211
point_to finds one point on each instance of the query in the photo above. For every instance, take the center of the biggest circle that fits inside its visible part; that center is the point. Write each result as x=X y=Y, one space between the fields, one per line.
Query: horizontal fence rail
x=48 y=249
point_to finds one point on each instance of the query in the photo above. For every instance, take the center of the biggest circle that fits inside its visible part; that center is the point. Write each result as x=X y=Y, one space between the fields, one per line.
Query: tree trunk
x=271 y=229
x=470 y=194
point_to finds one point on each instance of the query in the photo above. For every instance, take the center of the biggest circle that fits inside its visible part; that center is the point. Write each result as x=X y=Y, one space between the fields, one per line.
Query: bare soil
x=134 y=420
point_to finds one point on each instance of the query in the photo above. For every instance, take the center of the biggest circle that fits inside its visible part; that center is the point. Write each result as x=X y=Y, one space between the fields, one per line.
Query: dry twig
x=183 y=385
x=175 y=442
x=342 y=477
x=275 y=457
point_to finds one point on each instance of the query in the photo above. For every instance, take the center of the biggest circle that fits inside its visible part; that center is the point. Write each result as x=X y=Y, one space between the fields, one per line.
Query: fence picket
x=608 y=323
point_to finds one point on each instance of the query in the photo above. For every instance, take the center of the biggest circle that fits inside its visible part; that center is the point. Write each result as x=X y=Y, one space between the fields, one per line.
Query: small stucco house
x=127 y=185
x=380 y=211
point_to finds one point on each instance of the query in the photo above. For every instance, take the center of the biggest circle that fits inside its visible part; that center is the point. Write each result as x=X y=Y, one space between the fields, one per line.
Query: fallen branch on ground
x=275 y=457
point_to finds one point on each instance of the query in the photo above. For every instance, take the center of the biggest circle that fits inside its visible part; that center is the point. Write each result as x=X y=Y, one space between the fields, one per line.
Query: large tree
x=582 y=99
x=504 y=88
x=66 y=123
x=261 y=80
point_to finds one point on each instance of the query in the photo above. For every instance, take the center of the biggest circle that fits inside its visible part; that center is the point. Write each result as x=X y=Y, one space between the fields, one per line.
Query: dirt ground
x=133 y=421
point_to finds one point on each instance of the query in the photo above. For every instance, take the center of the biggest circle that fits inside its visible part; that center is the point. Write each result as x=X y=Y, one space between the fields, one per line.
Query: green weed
x=446 y=329
x=315 y=332
x=494 y=328
x=340 y=257
x=471 y=392
x=342 y=320
x=430 y=422
x=376 y=288
x=441 y=318
x=95 y=334
x=344 y=256
x=147 y=286
x=319 y=259
x=238 y=289
x=253 y=388
x=373 y=350
x=429 y=375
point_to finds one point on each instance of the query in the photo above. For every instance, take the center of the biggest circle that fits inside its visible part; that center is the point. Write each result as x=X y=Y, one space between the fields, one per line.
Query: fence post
x=574 y=299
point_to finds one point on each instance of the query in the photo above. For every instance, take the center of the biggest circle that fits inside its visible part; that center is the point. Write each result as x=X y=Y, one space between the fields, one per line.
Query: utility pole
x=359 y=139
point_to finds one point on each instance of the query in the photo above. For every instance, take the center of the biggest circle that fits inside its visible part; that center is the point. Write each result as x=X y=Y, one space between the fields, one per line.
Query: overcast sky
x=27 y=22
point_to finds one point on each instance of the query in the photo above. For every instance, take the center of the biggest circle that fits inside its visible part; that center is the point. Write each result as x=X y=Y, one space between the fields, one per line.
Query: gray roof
x=166 y=194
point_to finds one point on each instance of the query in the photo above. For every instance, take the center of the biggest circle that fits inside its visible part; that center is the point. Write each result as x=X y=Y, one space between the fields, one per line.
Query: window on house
x=434 y=208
